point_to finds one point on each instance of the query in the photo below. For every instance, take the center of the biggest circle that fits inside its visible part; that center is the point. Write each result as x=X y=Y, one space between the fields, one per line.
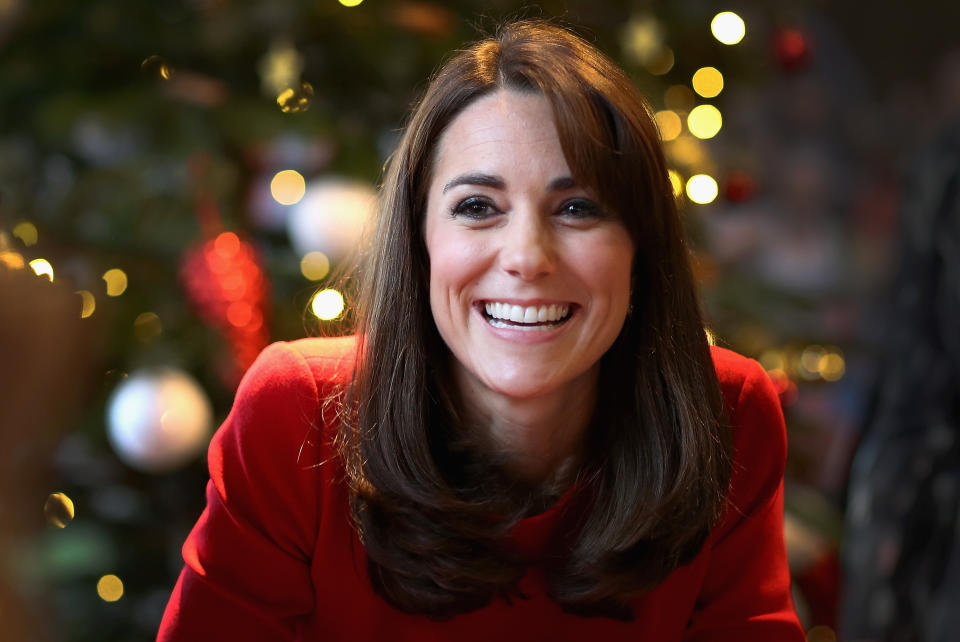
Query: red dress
x=274 y=555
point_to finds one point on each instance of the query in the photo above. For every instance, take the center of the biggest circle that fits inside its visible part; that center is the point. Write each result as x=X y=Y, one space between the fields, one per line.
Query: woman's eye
x=475 y=208
x=579 y=208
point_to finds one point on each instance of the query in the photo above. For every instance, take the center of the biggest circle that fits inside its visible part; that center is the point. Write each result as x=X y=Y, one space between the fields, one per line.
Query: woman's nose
x=527 y=251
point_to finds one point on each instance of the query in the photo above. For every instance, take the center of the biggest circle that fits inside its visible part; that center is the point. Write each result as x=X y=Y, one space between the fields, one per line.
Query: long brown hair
x=430 y=509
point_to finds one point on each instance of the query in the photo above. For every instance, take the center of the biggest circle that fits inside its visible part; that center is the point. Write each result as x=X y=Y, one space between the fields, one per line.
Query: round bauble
x=159 y=420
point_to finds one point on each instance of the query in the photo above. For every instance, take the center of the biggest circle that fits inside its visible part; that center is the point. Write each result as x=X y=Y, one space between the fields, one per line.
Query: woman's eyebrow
x=486 y=180
x=490 y=180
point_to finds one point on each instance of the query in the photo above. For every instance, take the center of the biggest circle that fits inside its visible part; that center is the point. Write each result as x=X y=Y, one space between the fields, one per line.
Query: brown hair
x=657 y=461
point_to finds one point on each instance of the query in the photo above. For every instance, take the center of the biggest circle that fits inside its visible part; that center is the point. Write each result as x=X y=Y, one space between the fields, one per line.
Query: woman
x=530 y=438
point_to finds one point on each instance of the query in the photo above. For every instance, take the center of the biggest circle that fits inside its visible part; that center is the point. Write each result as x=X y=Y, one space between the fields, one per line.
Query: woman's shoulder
x=742 y=381
x=328 y=360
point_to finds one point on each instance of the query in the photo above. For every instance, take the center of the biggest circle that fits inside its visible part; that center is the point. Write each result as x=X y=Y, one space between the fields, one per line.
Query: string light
x=832 y=366
x=702 y=189
x=704 y=121
x=110 y=588
x=147 y=327
x=157 y=66
x=58 y=510
x=26 y=232
x=669 y=124
x=288 y=187
x=116 y=280
x=314 y=265
x=87 y=303
x=708 y=82
x=293 y=100
x=662 y=62
x=327 y=304
x=679 y=98
x=42 y=267
x=728 y=27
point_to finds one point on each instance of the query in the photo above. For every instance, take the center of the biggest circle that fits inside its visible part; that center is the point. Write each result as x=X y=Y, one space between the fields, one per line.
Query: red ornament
x=739 y=186
x=792 y=48
x=226 y=285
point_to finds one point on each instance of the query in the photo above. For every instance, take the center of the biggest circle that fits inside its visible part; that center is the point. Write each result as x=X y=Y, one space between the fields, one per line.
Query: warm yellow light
x=676 y=182
x=642 y=39
x=350 y=3
x=821 y=633
x=708 y=82
x=702 y=189
x=288 y=187
x=832 y=366
x=295 y=100
x=12 y=260
x=116 y=280
x=147 y=326
x=728 y=28
x=704 y=121
x=662 y=62
x=686 y=150
x=772 y=360
x=110 y=588
x=58 y=509
x=315 y=265
x=669 y=124
x=26 y=232
x=327 y=304
x=42 y=267
x=679 y=98
x=88 y=303
x=810 y=360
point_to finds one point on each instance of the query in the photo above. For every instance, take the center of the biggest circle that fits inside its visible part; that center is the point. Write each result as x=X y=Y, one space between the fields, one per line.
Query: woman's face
x=529 y=275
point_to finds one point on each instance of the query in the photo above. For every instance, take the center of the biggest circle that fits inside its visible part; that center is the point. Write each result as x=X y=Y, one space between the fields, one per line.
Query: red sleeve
x=247 y=571
x=746 y=595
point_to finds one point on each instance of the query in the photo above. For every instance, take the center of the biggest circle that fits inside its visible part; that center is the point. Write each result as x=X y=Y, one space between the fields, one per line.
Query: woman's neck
x=539 y=438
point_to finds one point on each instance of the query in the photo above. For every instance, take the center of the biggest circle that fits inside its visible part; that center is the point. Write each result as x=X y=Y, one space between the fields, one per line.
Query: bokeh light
x=708 y=82
x=728 y=27
x=42 y=267
x=832 y=366
x=772 y=359
x=58 y=510
x=116 y=280
x=679 y=98
x=157 y=66
x=12 y=260
x=327 y=304
x=26 y=232
x=87 y=303
x=288 y=187
x=704 y=121
x=821 y=633
x=147 y=326
x=662 y=62
x=702 y=189
x=687 y=150
x=676 y=182
x=350 y=3
x=110 y=588
x=315 y=265
x=293 y=100
x=669 y=124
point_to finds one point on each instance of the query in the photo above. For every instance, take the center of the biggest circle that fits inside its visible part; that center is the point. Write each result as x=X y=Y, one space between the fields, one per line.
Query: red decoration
x=739 y=186
x=792 y=48
x=225 y=283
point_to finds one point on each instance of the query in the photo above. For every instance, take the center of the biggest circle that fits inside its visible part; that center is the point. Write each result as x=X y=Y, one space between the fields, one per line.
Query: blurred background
x=179 y=181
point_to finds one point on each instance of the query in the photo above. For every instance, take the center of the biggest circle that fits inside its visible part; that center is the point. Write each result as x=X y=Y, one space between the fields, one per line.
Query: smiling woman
x=529 y=437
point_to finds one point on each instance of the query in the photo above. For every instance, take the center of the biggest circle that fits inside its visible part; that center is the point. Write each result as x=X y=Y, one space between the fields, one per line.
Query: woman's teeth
x=545 y=316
